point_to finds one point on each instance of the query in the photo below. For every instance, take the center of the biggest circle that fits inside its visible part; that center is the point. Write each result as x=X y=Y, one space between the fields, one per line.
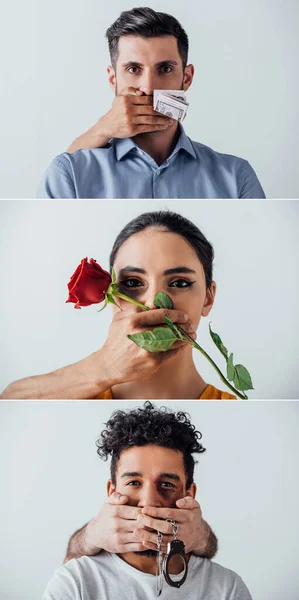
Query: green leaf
x=113 y=275
x=174 y=327
x=217 y=340
x=159 y=340
x=162 y=300
x=230 y=369
x=242 y=379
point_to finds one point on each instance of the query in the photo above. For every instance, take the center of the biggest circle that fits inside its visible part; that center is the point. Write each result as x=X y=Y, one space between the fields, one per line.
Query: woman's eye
x=181 y=283
x=131 y=283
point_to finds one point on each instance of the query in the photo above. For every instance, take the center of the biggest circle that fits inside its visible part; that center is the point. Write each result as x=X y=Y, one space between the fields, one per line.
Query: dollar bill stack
x=171 y=103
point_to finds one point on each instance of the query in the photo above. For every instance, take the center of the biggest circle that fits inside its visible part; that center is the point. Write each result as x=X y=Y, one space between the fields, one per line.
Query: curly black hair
x=150 y=425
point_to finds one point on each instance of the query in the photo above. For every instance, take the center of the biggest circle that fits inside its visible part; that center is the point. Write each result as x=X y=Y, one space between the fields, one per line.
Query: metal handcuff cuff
x=175 y=547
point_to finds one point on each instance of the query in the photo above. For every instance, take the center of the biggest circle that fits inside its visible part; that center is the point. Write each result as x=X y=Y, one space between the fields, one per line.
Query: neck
x=148 y=564
x=176 y=378
x=159 y=144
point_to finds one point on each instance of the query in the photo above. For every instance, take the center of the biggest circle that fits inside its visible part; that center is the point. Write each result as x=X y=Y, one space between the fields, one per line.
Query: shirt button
x=158 y=171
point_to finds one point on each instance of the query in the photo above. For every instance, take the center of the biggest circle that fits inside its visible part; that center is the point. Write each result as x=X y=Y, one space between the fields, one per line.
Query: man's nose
x=147 y=83
x=149 y=496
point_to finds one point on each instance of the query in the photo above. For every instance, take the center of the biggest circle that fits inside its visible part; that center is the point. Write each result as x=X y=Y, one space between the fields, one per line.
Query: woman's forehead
x=155 y=246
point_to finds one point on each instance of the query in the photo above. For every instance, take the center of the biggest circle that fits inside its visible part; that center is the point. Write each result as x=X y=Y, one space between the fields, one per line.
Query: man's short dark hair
x=147 y=23
x=150 y=425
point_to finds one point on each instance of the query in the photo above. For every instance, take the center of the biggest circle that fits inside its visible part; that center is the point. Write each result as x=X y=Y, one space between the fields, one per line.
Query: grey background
x=243 y=100
x=256 y=269
x=52 y=482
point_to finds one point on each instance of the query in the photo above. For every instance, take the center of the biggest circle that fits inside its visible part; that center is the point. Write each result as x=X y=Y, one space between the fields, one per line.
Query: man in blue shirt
x=134 y=151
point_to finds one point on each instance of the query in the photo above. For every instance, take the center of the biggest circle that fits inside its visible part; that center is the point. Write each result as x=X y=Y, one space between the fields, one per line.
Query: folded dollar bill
x=171 y=103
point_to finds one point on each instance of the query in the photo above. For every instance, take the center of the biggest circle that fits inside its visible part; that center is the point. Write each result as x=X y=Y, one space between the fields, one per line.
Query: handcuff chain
x=174 y=527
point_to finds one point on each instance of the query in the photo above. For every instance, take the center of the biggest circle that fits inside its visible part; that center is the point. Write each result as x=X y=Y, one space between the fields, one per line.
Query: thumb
x=117 y=498
x=187 y=503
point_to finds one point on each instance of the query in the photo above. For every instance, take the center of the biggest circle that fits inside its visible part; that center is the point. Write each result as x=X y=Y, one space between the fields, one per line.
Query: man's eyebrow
x=168 y=61
x=161 y=63
x=179 y=269
x=131 y=474
x=172 y=476
x=132 y=63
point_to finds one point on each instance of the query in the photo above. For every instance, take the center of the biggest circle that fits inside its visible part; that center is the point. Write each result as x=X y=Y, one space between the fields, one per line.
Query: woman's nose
x=150 y=294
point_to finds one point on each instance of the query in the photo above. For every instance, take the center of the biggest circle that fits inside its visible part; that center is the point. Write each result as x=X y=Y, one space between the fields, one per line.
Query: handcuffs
x=175 y=547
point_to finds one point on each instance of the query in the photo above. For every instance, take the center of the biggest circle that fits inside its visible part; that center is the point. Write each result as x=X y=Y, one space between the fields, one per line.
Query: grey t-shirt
x=108 y=577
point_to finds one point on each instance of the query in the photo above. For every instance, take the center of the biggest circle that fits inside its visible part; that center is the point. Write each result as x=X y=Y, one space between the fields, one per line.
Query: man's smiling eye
x=181 y=283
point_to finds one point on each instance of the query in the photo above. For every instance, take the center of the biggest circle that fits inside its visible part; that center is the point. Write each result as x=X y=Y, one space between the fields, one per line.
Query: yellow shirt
x=209 y=393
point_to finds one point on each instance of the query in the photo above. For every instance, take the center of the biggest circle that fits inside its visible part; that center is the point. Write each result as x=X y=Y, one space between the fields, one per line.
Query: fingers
x=150 y=546
x=136 y=96
x=156 y=524
x=187 y=503
x=127 y=512
x=157 y=317
x=148 y=537
x=164 y=513
x=117 y=498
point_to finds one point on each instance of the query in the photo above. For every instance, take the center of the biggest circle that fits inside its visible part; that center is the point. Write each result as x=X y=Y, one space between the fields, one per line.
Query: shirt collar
x=125 y=145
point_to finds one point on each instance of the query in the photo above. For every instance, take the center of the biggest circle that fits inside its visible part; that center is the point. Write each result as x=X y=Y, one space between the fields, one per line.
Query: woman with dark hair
x=156 y=252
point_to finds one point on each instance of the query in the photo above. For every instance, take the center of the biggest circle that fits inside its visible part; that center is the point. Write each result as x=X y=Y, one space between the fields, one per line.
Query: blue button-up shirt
x=122 y=170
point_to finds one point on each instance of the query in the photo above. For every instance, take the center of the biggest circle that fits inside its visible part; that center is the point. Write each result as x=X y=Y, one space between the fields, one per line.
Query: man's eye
x=181 y=283
x=133 y=483
x=166 y=69
x=132 y=70
x=131 y=283
x=167 y=485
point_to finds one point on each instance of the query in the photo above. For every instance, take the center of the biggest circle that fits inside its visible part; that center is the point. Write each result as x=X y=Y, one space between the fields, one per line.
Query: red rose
x=88 y=284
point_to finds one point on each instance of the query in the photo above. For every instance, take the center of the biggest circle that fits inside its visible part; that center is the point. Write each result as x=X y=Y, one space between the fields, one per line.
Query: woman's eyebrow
x=132 y=270
x=179 y=269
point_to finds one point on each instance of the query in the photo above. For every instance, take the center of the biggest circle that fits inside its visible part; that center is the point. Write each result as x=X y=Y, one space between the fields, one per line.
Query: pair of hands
x=122 y=360
x=120 y=528
x=131 y=113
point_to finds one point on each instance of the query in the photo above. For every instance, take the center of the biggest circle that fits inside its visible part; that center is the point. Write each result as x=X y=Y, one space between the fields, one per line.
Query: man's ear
x=188 y=77
x=110 y=487
x=111 y=77
x=191 y=490
x=209 y=300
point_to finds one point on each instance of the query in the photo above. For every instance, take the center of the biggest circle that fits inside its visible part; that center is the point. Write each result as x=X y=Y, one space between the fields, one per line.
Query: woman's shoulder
x=212 y=393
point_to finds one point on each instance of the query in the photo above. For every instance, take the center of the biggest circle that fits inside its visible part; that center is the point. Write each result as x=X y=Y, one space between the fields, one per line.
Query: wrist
x=101 y=131
x=97 y=371
x=203 y=545
x=88 y=547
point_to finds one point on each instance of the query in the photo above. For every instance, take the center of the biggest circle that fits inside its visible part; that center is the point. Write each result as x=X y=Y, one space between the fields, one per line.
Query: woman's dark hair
x=146 y=23
x=177 y=224
x=150 y=425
